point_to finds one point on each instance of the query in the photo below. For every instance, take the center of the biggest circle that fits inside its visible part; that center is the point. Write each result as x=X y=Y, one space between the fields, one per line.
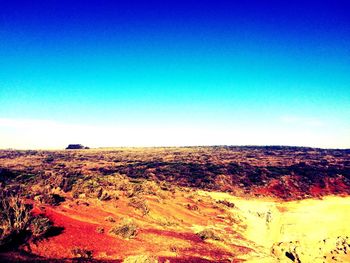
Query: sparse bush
x=17 y=224
x=150 y=187
x=100 y=230
x=208 y=234
x=124 y=186
x=49 y=159
x=110 y=219
x=52 y=199
x=40 y=225
x=135 y=190
x=140 y=204
x=104 y=196
x=67 y=184
x=166 y=186
x=165 y=222
x=103 y=188
x=139 y=187
x=193 y=207
x=226 y=203
x=49 y=180
x=126 y=230
x=82 y=253
x=174 y=249
x=89 y=187
x=15 y=218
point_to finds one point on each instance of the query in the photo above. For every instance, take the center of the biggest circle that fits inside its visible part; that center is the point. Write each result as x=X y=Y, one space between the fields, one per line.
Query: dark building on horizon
x=76 y=147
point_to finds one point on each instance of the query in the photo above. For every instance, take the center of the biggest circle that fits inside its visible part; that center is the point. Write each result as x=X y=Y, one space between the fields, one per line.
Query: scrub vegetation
x=189 y=204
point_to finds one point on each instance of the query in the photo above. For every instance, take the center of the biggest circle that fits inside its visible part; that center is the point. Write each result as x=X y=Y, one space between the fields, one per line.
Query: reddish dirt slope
x=175 y=240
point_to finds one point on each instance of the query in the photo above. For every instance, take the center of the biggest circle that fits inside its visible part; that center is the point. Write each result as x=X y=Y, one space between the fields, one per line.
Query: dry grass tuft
x=126 y=230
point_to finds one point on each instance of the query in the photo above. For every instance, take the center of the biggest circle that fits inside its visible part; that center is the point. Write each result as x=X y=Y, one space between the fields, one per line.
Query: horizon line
x=175 y=146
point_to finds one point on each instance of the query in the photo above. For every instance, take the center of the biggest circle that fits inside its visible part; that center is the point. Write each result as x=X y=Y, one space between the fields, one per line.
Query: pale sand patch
x=308 y=229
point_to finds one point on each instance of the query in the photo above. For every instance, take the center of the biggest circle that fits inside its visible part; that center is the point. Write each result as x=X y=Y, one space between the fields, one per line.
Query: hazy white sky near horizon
x=291 y=130
x=161 y=73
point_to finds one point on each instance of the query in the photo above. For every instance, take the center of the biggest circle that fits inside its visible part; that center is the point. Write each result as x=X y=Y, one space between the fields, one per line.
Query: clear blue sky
x=203 y=72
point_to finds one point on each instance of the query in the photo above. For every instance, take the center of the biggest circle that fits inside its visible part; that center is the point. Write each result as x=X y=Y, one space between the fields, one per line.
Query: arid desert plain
x=186 y=204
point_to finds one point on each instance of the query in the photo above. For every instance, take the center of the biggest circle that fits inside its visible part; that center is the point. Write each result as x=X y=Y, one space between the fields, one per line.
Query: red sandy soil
x=177 y=244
